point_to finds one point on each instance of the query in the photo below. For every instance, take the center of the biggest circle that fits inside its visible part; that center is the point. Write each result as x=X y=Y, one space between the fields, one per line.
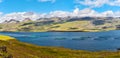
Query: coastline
x=64 y=31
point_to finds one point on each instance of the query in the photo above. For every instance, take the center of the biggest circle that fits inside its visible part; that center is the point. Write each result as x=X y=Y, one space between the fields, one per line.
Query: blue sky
x=46 y=6
x=8 y=6
x=35 y=9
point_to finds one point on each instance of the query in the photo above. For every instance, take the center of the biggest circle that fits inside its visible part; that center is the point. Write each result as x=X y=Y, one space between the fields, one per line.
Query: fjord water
x=91 y=41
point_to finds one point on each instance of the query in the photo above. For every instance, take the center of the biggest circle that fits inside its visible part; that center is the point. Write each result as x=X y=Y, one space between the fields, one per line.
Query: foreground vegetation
x=23 y=50
x=5 y=38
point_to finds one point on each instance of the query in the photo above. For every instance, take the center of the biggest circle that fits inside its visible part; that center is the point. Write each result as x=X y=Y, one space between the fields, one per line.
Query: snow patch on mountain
x=20 y=16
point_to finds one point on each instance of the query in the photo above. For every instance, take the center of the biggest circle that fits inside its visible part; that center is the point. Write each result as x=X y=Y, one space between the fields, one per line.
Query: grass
x=68 y=25
x=25 y=50
x=85 y=26
x=5 y=38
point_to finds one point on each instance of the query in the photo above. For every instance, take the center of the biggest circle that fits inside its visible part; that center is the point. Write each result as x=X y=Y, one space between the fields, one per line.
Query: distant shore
x=63 y=31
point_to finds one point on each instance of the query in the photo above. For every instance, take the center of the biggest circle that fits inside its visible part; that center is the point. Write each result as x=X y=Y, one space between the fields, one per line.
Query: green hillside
x=80 y=26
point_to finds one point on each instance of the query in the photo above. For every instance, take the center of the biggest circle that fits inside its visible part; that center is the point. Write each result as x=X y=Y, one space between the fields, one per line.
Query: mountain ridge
x=80 y=24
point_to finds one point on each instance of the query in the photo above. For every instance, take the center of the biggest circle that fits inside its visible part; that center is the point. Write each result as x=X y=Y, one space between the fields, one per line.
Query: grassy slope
x=5 y=38
x=84 y=26
x=67 y=26
x=75 y=26
x=24 y=50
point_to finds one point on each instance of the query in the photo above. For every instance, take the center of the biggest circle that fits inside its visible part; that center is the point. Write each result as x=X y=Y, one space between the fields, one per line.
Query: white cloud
x=19 y=16
x=1 y=13
x=115 y=3
x=92 y=13
x=75 y=13
x=47 y=1
x=83 y=13
x=99 y=3
x=59 y=14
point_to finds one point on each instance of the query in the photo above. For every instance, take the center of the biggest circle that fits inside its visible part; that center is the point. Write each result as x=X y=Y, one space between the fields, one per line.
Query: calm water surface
x=91 y=41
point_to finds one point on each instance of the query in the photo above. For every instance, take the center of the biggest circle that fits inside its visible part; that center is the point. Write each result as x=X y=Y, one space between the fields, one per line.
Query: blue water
x=91 y=41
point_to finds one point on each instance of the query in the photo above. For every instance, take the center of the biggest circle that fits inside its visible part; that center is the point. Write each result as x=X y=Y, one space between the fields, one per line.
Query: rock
x=118 y=49
x=98 y=22
x=117 y=27
x=4 y=53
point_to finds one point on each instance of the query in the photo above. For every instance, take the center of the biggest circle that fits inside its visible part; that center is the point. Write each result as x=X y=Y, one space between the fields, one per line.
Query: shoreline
x=17 y=48
x=59 y=31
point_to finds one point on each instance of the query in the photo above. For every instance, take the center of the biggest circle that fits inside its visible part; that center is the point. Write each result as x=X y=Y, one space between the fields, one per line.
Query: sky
x=40 y=6
x=46 y=6
x=34 y=9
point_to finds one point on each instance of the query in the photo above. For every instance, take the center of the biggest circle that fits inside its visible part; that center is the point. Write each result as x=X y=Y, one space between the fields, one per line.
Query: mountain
x=65 y=24
x=11 y=21
x=77 y=13
x=27 y=20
